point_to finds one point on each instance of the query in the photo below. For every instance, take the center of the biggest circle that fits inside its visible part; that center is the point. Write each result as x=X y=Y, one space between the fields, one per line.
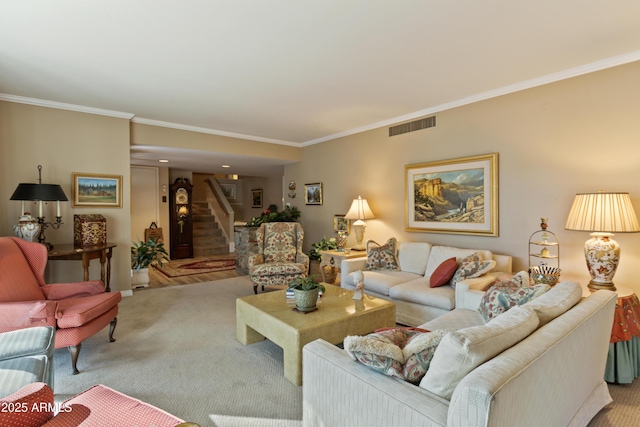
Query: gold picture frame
x=96 y=190
x=456 y=196
x=313 y=194
x=341 y=224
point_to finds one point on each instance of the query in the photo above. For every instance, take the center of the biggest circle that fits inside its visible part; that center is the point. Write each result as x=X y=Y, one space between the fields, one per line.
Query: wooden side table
x=332 y=260
x=86 y=254
x=623 y=361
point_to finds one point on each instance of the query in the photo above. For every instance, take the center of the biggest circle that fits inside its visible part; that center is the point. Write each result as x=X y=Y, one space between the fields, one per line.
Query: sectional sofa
x=409 y=286
x=548 y=370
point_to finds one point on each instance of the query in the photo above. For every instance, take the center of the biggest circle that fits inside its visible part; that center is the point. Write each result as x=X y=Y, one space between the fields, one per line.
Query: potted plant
x=144 y=255
x=315 y=257
x=305 y=292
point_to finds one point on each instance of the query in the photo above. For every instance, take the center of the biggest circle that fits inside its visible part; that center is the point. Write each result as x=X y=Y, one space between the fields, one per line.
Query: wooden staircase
x=207 y=235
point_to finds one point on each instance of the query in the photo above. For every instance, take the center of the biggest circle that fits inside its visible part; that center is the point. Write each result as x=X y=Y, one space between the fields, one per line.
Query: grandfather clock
x=181 y=219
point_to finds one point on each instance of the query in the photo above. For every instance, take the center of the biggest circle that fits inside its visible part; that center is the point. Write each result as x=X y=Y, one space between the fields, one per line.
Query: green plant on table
x=323 y=245
x=308 y=283
x=148 y=254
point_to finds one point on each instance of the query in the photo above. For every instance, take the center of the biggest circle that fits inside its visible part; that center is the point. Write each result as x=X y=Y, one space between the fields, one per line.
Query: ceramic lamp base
x=602 y=254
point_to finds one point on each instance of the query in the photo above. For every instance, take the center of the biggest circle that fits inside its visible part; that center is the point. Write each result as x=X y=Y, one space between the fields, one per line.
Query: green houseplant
x=144 y=255
x=323 y=245
x=305 y=292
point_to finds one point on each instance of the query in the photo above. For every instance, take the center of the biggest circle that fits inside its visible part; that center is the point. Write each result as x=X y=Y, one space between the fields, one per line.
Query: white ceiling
x=297 y=72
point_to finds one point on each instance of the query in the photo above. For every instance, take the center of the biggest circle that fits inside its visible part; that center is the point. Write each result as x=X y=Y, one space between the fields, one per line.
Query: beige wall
x=64 y=142
x=578 y=135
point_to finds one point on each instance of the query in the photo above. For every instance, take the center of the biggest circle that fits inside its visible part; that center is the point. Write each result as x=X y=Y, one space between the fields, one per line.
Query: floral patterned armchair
x=280 y=258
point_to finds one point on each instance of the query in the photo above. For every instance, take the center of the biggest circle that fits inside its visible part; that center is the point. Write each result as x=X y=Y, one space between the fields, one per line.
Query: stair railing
x=222 y=210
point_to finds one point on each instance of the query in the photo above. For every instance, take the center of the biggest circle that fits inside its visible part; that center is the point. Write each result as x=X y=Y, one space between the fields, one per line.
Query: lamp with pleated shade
x=603 y=214
x=359 y=211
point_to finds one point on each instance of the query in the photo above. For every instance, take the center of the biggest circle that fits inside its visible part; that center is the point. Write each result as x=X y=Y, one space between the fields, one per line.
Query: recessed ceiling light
x=163 y=161
x=226 y=166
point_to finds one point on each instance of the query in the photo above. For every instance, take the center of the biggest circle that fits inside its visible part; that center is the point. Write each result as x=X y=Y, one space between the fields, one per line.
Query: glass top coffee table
x=270 y=315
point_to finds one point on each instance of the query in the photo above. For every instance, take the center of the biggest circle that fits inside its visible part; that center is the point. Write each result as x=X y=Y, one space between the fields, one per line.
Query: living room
x=550 y=140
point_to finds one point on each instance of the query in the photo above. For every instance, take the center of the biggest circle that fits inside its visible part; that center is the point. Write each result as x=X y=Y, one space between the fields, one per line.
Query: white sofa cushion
x=413 y=256
x=418 y=291
x=440 y=254
x=463 y=350
x=559 y=299
x=380 y=281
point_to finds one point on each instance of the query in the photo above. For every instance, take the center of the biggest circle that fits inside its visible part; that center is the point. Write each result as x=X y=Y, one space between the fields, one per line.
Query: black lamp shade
x=45 y=192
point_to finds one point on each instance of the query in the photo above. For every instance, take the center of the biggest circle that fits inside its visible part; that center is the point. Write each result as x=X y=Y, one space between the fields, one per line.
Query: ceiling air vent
x=429 y=122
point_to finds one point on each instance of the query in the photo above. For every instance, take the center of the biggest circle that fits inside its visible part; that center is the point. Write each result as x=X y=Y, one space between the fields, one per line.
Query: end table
x=332 y=260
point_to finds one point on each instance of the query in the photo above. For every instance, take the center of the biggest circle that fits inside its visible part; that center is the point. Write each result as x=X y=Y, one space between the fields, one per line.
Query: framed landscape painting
x=96 y=190
x=458 y=196
x=256 y=198
x=313 y=194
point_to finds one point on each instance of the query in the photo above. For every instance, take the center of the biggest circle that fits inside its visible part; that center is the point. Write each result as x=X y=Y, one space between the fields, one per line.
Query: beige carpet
x=176 y=349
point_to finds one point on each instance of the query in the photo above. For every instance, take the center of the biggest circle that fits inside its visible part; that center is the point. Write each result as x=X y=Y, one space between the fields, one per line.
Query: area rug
x=187 y=268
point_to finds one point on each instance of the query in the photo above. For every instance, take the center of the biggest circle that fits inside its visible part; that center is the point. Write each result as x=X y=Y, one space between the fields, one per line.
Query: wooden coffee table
x=270 y=315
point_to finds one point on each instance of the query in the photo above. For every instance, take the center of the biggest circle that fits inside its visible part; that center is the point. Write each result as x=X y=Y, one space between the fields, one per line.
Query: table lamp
x=359 y=211
x=41 y=193
x=603 y=214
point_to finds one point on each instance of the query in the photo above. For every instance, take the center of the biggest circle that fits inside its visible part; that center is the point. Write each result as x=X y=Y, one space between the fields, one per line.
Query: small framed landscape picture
x=256 y=198
x=229 y=191
x=313 y=194
x=341 y=224
x=96 y=190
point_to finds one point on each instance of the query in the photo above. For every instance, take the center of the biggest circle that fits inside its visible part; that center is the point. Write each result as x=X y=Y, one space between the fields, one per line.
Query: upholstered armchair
x=280 y=258
x=76 y=310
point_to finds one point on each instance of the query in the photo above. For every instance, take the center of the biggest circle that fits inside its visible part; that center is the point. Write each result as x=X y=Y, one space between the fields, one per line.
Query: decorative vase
x=140 y=278
x=341 y=240
x=305 y=300
x=27 y=228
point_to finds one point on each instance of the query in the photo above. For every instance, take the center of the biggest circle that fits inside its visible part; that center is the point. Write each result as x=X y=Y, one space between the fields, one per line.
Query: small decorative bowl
x=544 y=274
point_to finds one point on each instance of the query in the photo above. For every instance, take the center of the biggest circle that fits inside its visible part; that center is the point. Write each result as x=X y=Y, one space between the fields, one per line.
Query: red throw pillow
x=443 y=274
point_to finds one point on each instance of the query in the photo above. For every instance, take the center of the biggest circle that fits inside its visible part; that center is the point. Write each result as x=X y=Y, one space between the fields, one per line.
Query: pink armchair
x=76 y=310
x=280 y=258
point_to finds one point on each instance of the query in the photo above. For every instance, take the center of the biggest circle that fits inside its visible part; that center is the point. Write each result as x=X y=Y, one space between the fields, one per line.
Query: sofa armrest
x=58 y=291
x=25 y=314
x=469 y=292
x=337 y=390
x=349 y=266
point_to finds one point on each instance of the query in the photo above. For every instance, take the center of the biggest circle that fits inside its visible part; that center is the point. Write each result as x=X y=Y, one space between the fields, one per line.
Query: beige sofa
x=408 y=287
x=542 y=380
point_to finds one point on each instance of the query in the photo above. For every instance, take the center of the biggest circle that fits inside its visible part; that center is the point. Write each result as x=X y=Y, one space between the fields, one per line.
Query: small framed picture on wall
x=313 y=194
x=256 y=198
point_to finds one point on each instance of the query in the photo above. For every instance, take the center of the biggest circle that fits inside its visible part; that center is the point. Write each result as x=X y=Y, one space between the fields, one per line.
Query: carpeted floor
x=176 y=349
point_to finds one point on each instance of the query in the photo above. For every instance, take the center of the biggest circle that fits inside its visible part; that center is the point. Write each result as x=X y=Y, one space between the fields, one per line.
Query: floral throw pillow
x=403 y=353
x=472 y=266
x=507 y=294
x=382 y=257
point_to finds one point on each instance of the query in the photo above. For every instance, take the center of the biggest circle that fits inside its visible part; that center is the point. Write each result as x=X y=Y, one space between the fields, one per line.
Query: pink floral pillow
x=506 y=294
x=382 y=257
x=403 y=353
x=470 y=267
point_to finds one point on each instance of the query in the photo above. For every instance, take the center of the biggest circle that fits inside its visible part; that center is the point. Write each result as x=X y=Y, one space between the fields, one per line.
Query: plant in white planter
x=305 y=292
x=144 y=255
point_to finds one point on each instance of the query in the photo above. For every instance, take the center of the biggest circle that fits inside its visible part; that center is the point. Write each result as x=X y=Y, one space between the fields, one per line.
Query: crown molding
x=212 y=131
x=517 y=87
x=63 y=106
